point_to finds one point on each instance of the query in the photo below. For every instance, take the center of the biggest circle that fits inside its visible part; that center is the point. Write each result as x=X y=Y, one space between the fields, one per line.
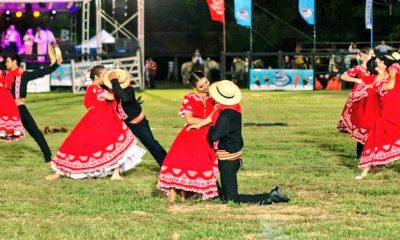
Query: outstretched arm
x=347 y=78
x=29 y=76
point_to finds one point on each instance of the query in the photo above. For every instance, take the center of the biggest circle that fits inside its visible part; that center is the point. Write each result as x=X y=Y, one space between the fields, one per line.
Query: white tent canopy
x=92 y=43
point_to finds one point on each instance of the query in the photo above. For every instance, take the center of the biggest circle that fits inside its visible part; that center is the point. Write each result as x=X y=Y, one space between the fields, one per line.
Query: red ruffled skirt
x=383 y=144
x=100 y=143
x=11 y=128
x=190 y=165
x=359 y=113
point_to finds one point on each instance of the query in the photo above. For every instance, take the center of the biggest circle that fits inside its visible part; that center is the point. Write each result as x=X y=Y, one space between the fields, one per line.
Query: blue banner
x=307 y=10
x=281 y=79
x=243 y=12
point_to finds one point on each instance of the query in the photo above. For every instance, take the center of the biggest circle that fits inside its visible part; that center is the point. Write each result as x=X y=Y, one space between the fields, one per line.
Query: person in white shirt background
x=50 y=36
x=13 y=39
x=41 y=42
x=383 y=48
x=28 y=41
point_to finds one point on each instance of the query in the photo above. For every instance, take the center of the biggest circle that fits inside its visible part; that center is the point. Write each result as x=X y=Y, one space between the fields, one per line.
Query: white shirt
x=50 y=36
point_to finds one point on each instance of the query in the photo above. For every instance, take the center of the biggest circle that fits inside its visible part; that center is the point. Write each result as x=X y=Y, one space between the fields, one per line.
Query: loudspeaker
x=124 y=45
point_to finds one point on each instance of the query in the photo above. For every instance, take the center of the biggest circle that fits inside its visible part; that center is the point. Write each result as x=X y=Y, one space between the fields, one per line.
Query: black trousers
x=152 y=82
x=228 y=171
x=33 y=130
x=143 y=132
x=359 y=150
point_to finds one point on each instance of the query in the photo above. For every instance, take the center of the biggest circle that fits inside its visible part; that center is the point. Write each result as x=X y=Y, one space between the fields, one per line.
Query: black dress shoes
x=277 y=196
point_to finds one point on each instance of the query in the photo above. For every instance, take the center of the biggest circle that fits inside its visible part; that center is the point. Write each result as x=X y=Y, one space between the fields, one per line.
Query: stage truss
x=102 y=15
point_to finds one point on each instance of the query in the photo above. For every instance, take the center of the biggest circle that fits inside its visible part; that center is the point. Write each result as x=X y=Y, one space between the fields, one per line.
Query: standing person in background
x=4 y=42
x=354 y=56
x=152 y=73
x=383 y=48
x=14 y=39
x=146 y=73
x=50 y=36
x=196 y=58
x=171 y=70
x=299 y=61
x=287 y=63
x=41 y=44
x=28 y=42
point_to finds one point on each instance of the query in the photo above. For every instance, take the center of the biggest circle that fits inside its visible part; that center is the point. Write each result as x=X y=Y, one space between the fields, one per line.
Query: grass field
x=311 y=162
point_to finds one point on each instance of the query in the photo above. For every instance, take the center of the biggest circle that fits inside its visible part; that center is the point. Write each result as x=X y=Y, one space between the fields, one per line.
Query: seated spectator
x=334 y=82
x=287 y=62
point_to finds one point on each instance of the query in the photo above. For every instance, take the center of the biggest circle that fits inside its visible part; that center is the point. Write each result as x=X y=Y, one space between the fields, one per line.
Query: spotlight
x=36 y=14
x=8 y=15
x=52 y=14
x=18 y=14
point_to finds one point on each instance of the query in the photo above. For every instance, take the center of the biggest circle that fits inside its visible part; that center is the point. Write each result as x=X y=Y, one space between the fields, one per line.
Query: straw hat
x=54 y=53
x=395 y=56
x=225 y=92
x=123 y=77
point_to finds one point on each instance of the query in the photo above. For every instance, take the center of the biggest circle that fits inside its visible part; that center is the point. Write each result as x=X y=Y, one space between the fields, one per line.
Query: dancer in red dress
x=383 y=143
x=11 y=128
x=100 y=144
x=191 y=164
x=360 y=110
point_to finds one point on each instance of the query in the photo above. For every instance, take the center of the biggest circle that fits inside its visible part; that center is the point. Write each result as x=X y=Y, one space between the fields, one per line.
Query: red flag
x=217 y=10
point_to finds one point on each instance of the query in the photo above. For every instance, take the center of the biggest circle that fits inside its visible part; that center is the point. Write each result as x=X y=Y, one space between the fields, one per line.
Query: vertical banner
x=243 y=12
x=307 y=11
x=368 y=14
x=217 y=10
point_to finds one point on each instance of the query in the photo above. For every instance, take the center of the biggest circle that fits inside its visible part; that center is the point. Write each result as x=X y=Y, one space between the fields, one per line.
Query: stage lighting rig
x=36 y=14
x=18 y=14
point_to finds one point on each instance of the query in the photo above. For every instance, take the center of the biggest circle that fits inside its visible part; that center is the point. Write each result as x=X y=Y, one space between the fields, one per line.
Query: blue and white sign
x=281 y=79
x=243 y=12
x=62 y=76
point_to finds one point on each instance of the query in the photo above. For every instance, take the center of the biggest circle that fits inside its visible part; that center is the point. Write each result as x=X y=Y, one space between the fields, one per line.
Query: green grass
x=309 y=159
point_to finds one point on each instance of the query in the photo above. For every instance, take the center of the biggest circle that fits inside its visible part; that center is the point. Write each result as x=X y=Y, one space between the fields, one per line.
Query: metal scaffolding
x=118 y=29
